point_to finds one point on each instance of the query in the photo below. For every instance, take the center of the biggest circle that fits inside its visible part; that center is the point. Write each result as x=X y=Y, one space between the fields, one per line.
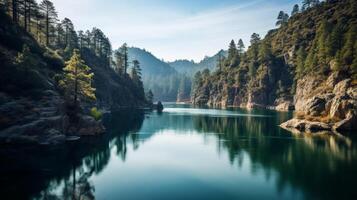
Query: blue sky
x=175 y=29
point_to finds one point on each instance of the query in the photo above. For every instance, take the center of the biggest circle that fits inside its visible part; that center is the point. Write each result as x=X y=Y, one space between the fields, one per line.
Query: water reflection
x=321 y=166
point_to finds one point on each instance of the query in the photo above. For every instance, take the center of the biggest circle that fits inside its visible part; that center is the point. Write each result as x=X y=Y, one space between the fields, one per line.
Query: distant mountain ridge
x=191 y=67
x=149 y=63
x=170 y=81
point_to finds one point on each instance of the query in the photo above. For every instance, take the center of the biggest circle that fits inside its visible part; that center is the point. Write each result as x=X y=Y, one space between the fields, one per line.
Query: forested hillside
x=309 y=63
x=50 y=73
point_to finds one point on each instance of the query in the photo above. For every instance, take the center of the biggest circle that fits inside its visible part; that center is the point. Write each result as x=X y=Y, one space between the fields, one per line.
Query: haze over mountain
x=170 y=81
x=191 y=67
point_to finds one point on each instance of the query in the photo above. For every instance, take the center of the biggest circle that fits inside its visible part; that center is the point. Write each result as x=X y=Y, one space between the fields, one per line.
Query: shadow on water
x=29 y=172
x=321 y=166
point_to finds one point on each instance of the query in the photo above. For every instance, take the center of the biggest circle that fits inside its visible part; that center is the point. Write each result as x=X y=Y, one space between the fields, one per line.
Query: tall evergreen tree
x=335 y=41
x=322 y=35
x=295 y=10
x=50 y=14
x=124 y=52
x=348 y=50
x=254 y=39
x=241 y=47
x=232 y=50
x=119 y=62
x=77 y=81
x=265 y=52
x=282 y=18
x=301 y=57
x=136 y=71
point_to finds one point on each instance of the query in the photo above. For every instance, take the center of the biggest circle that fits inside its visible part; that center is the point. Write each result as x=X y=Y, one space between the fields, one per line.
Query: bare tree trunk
x=14 y=10
x=75 y=86
x=25 y=15
x=47 y=29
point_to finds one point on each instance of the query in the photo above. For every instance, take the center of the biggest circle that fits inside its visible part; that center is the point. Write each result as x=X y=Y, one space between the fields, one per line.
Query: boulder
x=285 y=106
x=341 y=88
x=304 y=125
x=315 y=106
x=348 y=124
x=333 y=79
x=88 y=126
x=340 y=106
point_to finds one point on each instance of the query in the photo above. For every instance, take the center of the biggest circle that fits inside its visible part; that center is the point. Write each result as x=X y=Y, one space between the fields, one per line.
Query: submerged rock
x=305 y=125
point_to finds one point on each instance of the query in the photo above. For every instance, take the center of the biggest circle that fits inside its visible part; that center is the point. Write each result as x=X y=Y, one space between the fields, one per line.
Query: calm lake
x=186 y=153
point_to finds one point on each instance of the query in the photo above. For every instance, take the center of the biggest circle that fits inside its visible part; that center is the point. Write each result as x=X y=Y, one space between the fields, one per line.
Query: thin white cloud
x=168 y=32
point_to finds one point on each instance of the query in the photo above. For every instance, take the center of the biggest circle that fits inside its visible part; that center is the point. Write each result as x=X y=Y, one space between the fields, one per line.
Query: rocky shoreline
x=42 y=121
x=325 y=104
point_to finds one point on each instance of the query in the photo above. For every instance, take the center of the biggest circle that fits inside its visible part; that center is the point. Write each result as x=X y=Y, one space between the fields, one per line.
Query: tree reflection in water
x=39 y=172
x=310 y=163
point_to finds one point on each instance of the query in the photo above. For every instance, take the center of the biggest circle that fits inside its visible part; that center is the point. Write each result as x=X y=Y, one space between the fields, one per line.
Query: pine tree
x=265 y=52
x=15 y=10
x=301 y=57
x=50 y=14
x=306 y=4
x=136 y=77
x=124 y=52
x=136 y=71
x=232 y=50
x=77 y=81
x=322 y=36
x=347 y=52
x=282 y=18
x=254 y=48
x=119 y=62
x=254 y=39
x=335 y=41
x=240 y=47
x=70 y=35
x=311 y=60
x=295 y=10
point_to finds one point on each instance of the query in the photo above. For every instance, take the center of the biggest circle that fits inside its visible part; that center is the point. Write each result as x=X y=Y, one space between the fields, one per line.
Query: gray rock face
x=334 y=98
x=41 y=122
x=315 y=106
x=349 y=123
x=284 y=105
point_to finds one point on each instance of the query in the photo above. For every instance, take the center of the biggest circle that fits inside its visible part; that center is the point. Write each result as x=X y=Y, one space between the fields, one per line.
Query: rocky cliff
x=331 y=102
x=309 y=65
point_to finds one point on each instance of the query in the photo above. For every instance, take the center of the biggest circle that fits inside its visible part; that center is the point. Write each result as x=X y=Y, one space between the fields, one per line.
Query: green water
x=186 y=153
